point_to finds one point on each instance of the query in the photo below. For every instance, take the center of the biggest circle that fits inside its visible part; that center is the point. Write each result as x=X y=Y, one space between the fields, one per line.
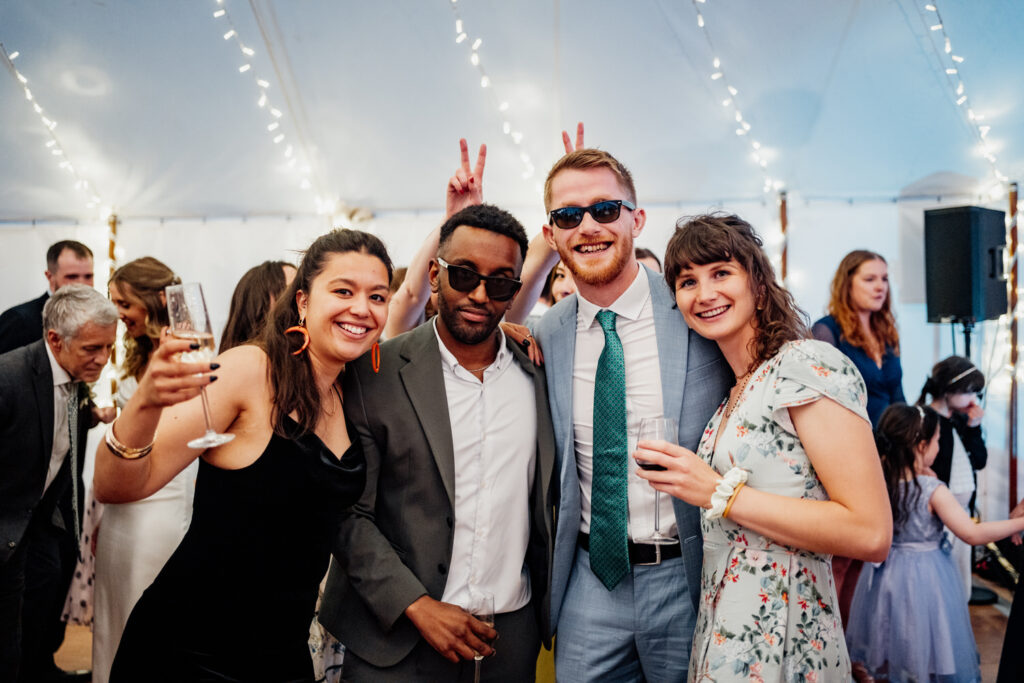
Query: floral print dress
x=769 y=612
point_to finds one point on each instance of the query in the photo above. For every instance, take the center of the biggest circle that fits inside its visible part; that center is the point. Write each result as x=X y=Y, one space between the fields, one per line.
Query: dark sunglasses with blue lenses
x=463 y=279
x=603 y=212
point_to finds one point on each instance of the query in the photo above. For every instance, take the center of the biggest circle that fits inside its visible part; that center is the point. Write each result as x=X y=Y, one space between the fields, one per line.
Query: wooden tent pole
x=784 y=223
x=1012 y=298
x=112 y=223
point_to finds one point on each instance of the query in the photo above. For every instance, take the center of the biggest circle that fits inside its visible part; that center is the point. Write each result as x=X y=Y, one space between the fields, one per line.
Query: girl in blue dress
x=909 y=620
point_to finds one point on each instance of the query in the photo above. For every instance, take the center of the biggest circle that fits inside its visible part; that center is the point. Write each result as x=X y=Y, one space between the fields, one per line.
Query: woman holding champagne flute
x=154 y=526
x=235 y=600
x=786 y=470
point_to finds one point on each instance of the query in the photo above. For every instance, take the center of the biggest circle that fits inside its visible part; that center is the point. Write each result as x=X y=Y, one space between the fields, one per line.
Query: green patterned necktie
x=609 y=508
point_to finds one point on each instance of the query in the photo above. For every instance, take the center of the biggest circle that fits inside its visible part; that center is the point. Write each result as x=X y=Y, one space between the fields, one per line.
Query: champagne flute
x=186 y=309
x=657 y=429
x=482 y=608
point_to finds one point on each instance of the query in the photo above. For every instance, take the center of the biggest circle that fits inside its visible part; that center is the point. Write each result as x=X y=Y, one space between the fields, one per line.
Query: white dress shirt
x=494 y=435
x=61 y=436
x=634 y=323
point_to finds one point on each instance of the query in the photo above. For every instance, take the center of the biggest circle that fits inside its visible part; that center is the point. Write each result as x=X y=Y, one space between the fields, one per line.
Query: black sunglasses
x=602 y=212
x=463 y=279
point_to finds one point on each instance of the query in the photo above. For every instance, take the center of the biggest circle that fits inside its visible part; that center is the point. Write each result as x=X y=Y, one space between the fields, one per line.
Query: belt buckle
x=657 y=557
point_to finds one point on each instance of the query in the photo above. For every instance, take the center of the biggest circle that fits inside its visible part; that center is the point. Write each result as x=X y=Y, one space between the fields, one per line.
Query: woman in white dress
x=135 y=539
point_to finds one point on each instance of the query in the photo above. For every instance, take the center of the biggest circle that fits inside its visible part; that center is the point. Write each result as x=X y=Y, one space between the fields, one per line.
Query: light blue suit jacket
x=694 y=379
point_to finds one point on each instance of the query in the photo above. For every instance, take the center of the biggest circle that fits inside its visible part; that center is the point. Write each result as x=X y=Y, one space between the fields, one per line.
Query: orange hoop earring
x=375 y=357
x=300 y=329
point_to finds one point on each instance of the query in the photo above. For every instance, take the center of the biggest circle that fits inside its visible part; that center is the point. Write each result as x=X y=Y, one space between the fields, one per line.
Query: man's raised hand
x=567 y=141
x=466 y=187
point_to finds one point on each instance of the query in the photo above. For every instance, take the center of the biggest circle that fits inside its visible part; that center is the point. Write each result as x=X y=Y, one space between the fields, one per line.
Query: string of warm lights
x=275 y=116
x=53 y=144
x=730 y=103
x=503 y=107
x=952 y=64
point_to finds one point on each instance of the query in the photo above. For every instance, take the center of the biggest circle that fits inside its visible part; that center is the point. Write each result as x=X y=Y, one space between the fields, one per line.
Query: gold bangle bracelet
x=732 y=499
x=122 y=451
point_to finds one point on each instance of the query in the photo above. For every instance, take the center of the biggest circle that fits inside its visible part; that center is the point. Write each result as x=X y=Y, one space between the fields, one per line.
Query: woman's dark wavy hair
x=144 y=280
x=291 y=377
x=700 y=240
x=254 y=294
x=953 y=375
x=900 y=430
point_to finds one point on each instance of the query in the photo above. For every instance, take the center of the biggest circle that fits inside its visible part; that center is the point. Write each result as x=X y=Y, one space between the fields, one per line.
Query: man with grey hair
x=45 y=413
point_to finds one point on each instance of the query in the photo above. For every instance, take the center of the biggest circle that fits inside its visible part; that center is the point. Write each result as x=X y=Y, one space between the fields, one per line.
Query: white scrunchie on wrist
x=723 y=492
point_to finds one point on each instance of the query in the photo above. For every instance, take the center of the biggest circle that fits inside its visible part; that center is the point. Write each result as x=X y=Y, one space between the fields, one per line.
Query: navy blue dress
x=236 y=599
x=885 y=384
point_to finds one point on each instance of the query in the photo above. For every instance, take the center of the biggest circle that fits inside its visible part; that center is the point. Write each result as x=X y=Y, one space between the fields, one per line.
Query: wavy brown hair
x=840 y=307
x=291 y=377
x=144 y=280
x=251 y=301
x=700 y=240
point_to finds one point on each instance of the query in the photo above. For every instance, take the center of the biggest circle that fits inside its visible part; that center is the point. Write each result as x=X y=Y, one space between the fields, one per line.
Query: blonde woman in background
x=135 y=539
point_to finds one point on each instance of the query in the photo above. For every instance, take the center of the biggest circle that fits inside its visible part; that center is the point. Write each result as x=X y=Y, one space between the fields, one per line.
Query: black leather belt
x=641 y=553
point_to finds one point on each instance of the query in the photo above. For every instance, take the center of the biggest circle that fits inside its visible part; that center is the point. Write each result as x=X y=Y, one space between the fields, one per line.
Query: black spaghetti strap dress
x=236 y=599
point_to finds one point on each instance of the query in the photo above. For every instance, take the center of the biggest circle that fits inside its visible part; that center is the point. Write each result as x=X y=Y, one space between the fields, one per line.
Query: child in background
x=954 y=385
x=909 y=620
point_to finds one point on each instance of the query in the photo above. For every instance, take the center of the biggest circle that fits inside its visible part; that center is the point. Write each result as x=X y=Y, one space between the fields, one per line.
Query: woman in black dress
x=235 y=600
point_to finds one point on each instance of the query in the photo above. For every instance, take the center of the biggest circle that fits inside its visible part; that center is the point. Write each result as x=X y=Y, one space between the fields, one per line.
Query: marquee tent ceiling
x=849 y=98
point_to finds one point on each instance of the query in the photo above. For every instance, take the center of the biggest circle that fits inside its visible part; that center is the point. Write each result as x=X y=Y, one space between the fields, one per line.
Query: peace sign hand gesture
x=567 y=141
x=466 y=187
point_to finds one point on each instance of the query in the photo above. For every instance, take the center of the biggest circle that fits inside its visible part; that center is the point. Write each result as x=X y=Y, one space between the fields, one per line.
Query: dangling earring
x=375 y=357
x=301 y=329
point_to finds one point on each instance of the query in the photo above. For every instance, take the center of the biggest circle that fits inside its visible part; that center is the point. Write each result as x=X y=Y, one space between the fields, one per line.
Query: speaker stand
x=968 y=324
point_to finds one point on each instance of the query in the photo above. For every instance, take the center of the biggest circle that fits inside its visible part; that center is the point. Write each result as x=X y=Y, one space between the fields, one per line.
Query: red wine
x=650 y=466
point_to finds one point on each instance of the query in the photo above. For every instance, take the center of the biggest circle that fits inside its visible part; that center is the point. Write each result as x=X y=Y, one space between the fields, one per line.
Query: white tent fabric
x=850 y=101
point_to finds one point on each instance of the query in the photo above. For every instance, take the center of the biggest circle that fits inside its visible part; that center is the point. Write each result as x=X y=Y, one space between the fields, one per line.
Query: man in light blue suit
x=625 y=614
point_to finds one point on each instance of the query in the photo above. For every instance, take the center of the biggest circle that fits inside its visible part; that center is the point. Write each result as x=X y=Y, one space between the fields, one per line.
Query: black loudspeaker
x=963 y=264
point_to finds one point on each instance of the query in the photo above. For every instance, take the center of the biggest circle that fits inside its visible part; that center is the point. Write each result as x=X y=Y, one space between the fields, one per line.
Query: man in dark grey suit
x=458 y=502
x=45 y=413
x=67 y=263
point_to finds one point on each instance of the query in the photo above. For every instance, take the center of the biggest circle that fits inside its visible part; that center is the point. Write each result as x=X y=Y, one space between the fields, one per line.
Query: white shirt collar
x=60 y=375
x=629 y=305
x=448 y=358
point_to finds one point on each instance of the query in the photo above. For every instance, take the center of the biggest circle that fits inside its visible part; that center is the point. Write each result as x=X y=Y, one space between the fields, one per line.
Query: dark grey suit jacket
x=26 y=440
x=397 y=544
x=22 y=324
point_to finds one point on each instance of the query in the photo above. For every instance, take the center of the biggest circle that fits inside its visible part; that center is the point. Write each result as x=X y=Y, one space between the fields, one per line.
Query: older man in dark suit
x=460 y=452
x=45 y=413
x=67 y=263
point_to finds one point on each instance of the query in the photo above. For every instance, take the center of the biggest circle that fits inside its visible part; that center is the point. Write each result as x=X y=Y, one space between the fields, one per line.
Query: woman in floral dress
x=786 y=470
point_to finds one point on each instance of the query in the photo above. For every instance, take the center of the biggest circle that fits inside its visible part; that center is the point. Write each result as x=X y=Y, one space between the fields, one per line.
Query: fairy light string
x=53 y=144
x=274 y=115
x=729 y=101
x=952 y=64
x=462 y=37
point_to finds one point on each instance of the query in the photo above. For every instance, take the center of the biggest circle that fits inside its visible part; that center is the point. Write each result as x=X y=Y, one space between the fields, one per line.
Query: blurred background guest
x=860 y=323
x=67 y=263
x=648 y=258
x=134 y=540
x=953 y=386
x=252 y=300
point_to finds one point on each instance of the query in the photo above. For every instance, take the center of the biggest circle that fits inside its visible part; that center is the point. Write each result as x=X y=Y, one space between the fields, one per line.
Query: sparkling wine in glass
x=482 y=608
x=657 y=429
x=186 y=309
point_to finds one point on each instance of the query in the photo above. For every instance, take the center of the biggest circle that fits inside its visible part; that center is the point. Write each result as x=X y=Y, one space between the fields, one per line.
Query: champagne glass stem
x=206 y=411
x=657 y=512
x=476 y=672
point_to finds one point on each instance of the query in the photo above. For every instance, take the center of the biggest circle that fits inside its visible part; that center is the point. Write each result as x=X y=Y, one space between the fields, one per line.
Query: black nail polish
x=214 y=366
x=194 y=346
x=525 y=344
x=213 y=378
